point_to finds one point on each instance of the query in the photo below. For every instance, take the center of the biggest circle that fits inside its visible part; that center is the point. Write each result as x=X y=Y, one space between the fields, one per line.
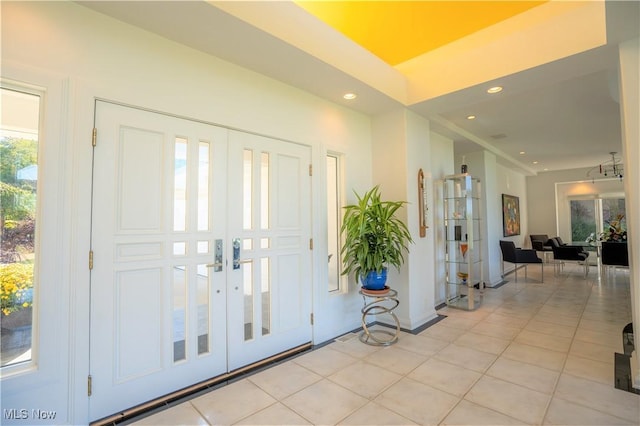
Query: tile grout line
x=555 y=386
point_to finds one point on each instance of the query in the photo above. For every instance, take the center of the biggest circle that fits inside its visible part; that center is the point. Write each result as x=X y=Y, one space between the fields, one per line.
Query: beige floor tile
x=324 y=402
x=365 y=379
x=233 y=402
x=527 y=375
x=276 y=414
x=546 y=341
x=422 y=345
x=506 y=320
x=591 y=351
x=598 y=371
x=396 y=359
x=417 y=401
x=443 y=332
x=375 y=414
x=466 y=357
x=481 y=342
x=557 y=319
x=597 y=326
x=284 y=379
x=614 y=318
x=441 y=375
x=499 y=330
x=467 y=413
x=458 y=322
x=600 y=397
x=326 y=360
x=550 y=328
x=605 y=327
x=507 y=398
x=183 y=414
x=614 y=341
x=563 y=412
x=354 y=347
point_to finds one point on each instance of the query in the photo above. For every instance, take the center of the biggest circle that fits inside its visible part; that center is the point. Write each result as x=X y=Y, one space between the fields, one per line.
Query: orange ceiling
x=397 y=31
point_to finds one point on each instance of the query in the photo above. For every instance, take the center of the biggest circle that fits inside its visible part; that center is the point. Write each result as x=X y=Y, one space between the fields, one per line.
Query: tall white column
x=401 y=146
x=630 y=112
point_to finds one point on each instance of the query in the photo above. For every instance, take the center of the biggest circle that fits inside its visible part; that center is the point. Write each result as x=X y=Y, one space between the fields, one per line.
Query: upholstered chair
x=519 y=256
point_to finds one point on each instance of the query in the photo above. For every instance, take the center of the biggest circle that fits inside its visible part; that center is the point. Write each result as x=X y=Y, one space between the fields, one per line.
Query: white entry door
x=158 y=301
x=169 y=306
x=270 y=278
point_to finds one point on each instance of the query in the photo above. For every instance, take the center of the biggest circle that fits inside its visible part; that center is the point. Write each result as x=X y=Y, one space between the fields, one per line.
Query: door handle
x=236 y=254
x=238 y=262
x=217 y=257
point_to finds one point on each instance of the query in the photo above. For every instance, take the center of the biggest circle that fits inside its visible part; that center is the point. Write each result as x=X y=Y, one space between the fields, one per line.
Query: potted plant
x=374 y=239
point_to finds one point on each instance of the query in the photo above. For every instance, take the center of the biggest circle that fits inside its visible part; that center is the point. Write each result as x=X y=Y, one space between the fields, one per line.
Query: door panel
x=270 y=291
x=158 y=313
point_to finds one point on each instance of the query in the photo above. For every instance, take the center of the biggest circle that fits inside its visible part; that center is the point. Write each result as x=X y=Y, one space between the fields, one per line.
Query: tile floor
x=532 y=354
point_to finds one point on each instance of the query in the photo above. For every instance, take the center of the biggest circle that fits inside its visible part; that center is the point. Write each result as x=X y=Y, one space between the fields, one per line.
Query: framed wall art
x=510 y=215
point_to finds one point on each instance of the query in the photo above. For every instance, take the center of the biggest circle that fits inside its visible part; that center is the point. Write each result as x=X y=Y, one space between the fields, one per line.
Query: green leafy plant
x=374 y=236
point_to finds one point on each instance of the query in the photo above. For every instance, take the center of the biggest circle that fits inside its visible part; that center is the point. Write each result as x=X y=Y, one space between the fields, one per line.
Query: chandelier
x=611 y=168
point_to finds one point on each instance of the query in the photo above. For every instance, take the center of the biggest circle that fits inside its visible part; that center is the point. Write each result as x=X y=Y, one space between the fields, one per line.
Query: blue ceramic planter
x=374 y=280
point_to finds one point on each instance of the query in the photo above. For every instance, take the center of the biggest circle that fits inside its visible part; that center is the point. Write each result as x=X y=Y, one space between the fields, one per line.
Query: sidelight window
x=334 y=216
x=19 y=141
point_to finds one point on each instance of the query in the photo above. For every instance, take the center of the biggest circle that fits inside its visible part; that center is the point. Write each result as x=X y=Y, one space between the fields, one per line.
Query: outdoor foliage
x=17 y=222
x=582 y=220
x=16 y=282
x=17 y=197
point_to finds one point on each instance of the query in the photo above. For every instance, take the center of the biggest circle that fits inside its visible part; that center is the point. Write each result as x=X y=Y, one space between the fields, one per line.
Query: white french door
x=157 y=310
x=270 y=281
x=169 y=306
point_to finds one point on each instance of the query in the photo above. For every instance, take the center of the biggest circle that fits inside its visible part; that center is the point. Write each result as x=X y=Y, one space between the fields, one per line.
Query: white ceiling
x=564 y=114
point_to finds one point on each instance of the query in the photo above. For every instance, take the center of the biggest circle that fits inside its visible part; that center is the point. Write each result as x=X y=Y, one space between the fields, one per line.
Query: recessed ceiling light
x=545 y=169
x=535 y=162
x=494 y=89
x=522 y=152
x=471 y=117
x=350 y=96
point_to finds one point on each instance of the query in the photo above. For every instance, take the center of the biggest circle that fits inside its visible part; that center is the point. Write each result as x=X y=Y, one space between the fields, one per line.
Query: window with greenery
x=583 y=219
x=18 y=197
x=333 y=221
x=592 y=218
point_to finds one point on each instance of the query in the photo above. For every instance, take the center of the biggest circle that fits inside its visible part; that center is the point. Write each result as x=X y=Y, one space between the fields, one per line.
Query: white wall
x=77 y=55
x=401 y=146
x=541 y=192
x=421 y=258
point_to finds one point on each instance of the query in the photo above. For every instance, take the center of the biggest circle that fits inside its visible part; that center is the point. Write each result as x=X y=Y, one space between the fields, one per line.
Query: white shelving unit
x=463 y=249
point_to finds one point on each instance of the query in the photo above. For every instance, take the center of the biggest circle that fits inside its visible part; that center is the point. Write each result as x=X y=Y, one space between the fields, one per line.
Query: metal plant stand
x=379 y=303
